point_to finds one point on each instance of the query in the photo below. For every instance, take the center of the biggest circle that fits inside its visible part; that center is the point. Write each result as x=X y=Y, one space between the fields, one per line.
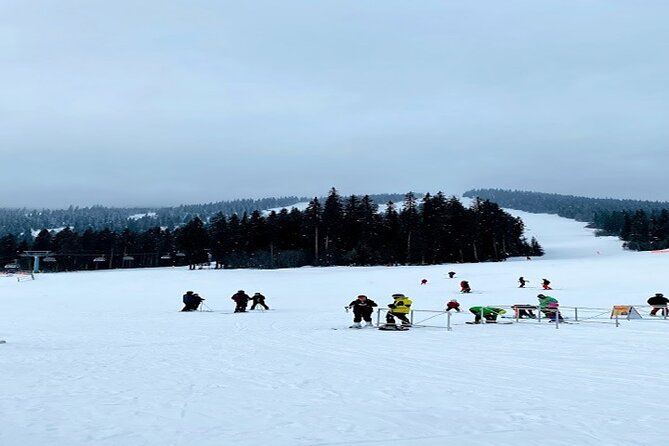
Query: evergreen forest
x=329 y=231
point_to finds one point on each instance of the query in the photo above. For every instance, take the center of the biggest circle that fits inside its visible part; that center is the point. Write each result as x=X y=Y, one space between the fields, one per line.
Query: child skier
x=658 y=302
x=549 y=306
x=453 y=305
x=258 y=299
x=191 y=301
x=241 y=301
x=362 y=309
x=488 y=313
x=545 y=283
x=464 y=287
x=399 y=309
x=522 y=282
x=524 y=311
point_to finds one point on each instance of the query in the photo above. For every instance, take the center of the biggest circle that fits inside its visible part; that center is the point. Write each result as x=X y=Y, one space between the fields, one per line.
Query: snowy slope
x=105 y=358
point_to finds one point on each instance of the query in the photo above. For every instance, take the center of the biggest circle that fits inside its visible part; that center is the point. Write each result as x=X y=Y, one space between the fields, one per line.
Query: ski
x=394 y=328
x=489 y=323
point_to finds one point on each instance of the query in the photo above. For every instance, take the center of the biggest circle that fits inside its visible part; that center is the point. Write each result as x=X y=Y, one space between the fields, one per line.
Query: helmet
x=240 y=291
x=398 y=296
x=659 y=294
x=362 y=295
x=540 y=296
x=256 y=294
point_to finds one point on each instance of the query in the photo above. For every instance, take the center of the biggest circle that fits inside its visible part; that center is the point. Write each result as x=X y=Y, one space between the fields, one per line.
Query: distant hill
x=568 y=206
x=27 y=221
x=642 y=225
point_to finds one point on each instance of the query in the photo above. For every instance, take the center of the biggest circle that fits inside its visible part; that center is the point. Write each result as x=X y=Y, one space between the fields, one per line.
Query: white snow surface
x=105 y=358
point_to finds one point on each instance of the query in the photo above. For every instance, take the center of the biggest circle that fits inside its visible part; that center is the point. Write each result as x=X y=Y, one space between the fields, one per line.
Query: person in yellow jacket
x=399 y=309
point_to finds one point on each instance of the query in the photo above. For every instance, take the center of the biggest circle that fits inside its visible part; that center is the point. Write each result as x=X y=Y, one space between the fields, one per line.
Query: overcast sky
x=155 y=102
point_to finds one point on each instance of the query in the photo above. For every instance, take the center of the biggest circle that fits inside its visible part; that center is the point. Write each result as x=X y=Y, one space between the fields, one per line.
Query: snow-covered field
x=105 y=358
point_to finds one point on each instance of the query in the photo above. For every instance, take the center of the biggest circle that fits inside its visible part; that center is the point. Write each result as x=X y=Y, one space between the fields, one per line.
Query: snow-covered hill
x=105 y=358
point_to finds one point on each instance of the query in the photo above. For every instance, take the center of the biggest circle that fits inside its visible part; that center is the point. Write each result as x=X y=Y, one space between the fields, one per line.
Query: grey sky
x=160 y=102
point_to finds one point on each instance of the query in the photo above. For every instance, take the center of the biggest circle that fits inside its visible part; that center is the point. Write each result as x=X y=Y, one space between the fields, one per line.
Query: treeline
x=332 y=231
x=79 y=219
x=23 y=222
x=641 y=225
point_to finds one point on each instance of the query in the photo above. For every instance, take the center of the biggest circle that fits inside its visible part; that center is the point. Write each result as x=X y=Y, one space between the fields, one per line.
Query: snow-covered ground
x=105 y=358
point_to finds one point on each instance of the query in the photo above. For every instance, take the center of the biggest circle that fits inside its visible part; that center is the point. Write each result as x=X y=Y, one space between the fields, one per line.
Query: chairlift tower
x=36 y=255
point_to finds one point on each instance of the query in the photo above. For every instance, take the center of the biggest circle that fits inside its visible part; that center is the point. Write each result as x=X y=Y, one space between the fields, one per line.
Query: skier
x=522 y=282
x=658 y=302
x=258 y=299
x=423 y=281
x=191 y=301
x=524 y=311
x=400 y=307
x=241 y=300
x=489 y=314
x=453 y=304
x=362 y=309
x=545 y=283
x=549 y=306
x=451 y=274
x=464 y=287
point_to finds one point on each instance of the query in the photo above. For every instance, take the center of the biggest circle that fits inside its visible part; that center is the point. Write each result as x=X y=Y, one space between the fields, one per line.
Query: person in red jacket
x=464 y=287
x=453 y=305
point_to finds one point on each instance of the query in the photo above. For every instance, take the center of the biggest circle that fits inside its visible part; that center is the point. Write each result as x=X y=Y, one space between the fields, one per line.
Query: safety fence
x=533 y=315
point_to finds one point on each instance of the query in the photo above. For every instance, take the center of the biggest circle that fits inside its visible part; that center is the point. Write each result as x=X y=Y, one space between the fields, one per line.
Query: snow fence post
x=411 y=320
x=378 y=317
x=576 y=313
x=557 y=319
x=617 y=323
x=448 y=321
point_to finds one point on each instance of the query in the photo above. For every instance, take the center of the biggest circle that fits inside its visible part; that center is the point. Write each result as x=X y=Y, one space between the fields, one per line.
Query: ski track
x=105 y=358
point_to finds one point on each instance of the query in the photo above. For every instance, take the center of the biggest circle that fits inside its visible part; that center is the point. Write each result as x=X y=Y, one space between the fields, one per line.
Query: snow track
x=106 y=358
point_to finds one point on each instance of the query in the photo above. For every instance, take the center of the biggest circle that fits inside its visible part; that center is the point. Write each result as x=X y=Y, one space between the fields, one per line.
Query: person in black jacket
x=362 y=309
x=522 y=282
x=658 y=302
x=241 y=300
x=258 y=299
x=191 y=301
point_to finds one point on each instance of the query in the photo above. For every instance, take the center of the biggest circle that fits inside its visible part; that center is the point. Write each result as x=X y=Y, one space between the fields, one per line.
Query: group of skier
x=548 y=305
x=545 y=283
x=192 y=301
x=363 y=307
x=400 y=307
x=466 y=288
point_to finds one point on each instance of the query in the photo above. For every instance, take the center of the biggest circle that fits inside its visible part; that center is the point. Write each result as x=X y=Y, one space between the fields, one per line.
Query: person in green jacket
x=489 y=314
x=549 y=306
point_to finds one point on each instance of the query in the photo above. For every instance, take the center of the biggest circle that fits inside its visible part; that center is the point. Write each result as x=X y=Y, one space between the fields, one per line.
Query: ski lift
x=166 y=257
x=128 y=258
x=12 y=266
x=99 y=259
x=49 y=259
x=180 y=254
